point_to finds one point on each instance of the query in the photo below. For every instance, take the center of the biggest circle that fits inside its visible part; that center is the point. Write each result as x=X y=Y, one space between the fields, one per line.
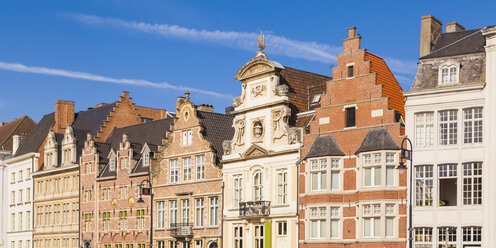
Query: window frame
x=473 y=133
x=448 y=78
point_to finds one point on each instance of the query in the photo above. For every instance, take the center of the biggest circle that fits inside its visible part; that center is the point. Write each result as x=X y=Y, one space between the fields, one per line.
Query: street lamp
x=147 y=191
x=407 y=154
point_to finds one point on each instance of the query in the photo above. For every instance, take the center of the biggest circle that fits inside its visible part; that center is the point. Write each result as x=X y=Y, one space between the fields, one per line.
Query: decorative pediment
x=255 y=151
x=257 y=66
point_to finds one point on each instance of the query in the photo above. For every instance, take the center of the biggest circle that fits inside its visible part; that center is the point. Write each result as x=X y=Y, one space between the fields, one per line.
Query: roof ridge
x=19 y=121
x=479 y=30
x=91 y=109
x=208 y=112
x=141 y=124
x=314 y=73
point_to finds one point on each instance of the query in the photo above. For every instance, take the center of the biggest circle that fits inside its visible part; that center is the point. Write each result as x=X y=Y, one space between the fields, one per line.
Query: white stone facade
x=4 y=182
x=19 y=200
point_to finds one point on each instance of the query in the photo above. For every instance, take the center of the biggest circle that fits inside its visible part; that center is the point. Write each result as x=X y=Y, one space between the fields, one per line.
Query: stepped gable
x=377 y=139
x=216 y=128
x=324 y=146
x=20 y=126
x=458 y=43
x=92 y=119
x=34 y=140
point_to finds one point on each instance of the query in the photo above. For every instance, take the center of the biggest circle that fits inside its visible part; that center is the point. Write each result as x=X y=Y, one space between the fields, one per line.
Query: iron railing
x=254 y=208
x=181 y=229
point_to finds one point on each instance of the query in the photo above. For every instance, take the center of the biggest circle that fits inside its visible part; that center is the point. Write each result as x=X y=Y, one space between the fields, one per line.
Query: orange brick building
x=187 y=178
x=350 y=193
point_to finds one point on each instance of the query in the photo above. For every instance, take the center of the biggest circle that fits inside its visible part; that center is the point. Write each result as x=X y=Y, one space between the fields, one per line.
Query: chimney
x=430 y=30
x=64 y=115
x=454 y=27
x=352 y=42
x=228 y=110
x=206 y=108
x=16 y=142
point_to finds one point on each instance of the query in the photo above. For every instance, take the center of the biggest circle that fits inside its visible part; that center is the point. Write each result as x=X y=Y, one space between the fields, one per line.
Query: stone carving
x=295 y=135
x=239 y=131
x=237 y=101
x=258 y=90
x=226 y=146
x=282 y=90
x=280 y=122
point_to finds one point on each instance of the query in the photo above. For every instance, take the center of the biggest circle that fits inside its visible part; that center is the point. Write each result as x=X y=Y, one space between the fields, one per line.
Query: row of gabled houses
x=298 y=160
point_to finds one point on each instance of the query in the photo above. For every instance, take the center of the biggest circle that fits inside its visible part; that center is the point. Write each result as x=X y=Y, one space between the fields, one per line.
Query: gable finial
x=186 y=94
x=261 y=41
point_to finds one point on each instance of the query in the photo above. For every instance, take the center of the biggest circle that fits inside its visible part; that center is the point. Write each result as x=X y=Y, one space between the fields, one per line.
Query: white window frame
x=200 y=167
x=237 y=190
x=318 y=216
x=472 y=183
x=174 y=171
x=172 y=212
x=390 y=213
x=452 y=235
x=213 y=217
x=185 y=215
x=448 y=127
x=161 y=214
x=238 y=238
x=472 y=125
x=448 y=73
x=187 y=169
x=335 y=215
x=282 y=186
x=472 y=235
x=199 y=212
x=258 y=186
x=146 y=159
x=371 y=213
x=423 y=237
x=424 y=185
x=318 y=172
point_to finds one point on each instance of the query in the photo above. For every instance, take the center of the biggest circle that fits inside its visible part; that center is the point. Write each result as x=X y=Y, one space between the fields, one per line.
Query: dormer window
x=146 y=159
x=449 y=73
x=112 y=164
x=316 y=98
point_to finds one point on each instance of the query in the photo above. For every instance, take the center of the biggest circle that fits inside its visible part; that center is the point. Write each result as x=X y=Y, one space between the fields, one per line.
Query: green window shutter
x=268 y=234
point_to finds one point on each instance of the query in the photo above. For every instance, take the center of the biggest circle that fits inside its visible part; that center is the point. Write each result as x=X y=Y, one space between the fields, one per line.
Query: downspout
x=222 y=219
x=32 y=201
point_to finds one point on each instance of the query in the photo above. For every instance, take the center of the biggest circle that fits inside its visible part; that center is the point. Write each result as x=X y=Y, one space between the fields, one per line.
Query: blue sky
x=90 y=51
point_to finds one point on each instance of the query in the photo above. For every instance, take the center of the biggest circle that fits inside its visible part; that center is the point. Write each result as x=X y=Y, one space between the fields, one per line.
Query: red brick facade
x=370 y=88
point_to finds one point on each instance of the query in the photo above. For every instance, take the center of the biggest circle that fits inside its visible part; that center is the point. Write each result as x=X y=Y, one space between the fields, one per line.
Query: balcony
x=181 y=229
x=254 y=209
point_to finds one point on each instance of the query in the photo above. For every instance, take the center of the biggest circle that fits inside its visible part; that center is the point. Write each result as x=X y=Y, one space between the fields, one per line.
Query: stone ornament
x=226 y=146
x=295 y=135
x=258 y=90
x=280 y=122
x=131 y=202
x=237 y=101
x=282 y=90
x=114 y=203
x=239 y=131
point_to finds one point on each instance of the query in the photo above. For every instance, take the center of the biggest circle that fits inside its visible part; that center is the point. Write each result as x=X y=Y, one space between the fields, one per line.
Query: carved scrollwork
x=258 y=90
x=280 y=122
x=282 y=90
x=226 y=146
x=239 y=124
x=295 y=135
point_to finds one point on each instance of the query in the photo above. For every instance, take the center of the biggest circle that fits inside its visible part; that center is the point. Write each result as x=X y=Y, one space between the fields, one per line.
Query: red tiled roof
x=21 y=126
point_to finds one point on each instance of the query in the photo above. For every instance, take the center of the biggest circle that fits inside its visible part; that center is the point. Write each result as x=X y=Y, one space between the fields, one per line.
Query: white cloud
x=275 y=44
x=92 y=77
x=402 y=66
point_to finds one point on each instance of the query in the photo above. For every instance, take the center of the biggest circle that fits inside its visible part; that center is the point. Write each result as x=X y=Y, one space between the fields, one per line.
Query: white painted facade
x=270 y=155
x=4 y=182
x=20 y=211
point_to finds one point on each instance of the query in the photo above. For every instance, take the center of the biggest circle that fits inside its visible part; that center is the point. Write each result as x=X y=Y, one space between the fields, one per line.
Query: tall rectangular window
x=350 y=71
x=423 y=185
x=318 y=223
x=335 y=172
x=172 y=212
x=146 y=159
x=447 y=235
x=334 y=222
x=372 y=171
x=199 y=212
x=259 y=236
x=282 y=228
x=282 y=187
x=350 y=117
x=173 y=171
x=200 y=167
x=187 y=169
x=28 y=219
x=19 y=215
x=472 y=183
x=371 y=220
x=140 y=216
x=123 y=220
x=161 y=214
x=472 y=236
x=448 y=127
x=447 y=185
x=238 y=236
x=472 y=125
x=390 y=214
x=424 y=129
x=318 y=169
x=214 y=211
x=423 y=237
x=185 y=211
x=237 y=190
x=187 y=137
x=106 y=221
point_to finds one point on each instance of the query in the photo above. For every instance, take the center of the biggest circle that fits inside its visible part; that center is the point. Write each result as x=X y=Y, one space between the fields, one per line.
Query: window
x=161 y=244
x=12 y=198
x=106 y=221
x=124 y=163
x=316 y=98
x=173 y=171
x=88 y=168
x=214 y=210
x=123 y=220
x=19 y=216
x=350 y=71
x=447 y=235
x=146 y=159
x=173 y=244
x=238 y=190
x=20 y=176
x=472 y=125
x=390 y=220
x=198 y=244
x=334 y=222
x=28 y=219
x=318 y=222
x=140 y=215
x=88 y=195
x=372 y=173
x=199 y=212
x=367 y=159
x=106 y=194
x=350 y=117
x=172 y=212
x=390 y=158
x=87 y=221
x=282 y=187
x=28 y=173
x=160 y=214
x=423 y=185
x=448 y=74
x=187 y=137
x=185 y=211
x=123 y=192
x=282 y=228
x=238 y=236
x=472 y=183
x=319 y=174
x=371 y=220
x=12 y=222
x=200 y=167
x=12 y=178
x=187 y=169
x=448 y=127
x=447 y=185
x=112 y=164
x=335 y=171
x=258 y=186
x=20 y=196
x=259 y=236
x=472 y=236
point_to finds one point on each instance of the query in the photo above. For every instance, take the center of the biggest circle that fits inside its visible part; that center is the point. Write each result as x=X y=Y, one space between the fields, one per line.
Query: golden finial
x=261 y=41
x=187 y=94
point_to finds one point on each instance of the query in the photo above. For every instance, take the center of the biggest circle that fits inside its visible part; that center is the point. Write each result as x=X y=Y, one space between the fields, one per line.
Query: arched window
x=449 y=73
x=257 y=185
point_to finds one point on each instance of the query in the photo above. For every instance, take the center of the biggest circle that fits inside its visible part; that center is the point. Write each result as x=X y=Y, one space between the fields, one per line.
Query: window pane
x=368 y=177
x=323 y=228
x=315 y=181
x=389 y=176
x=314 y=229
x=377 y=176
x=334 y=228
x=323 y=179
x=389 y=227
x=377 y=227
x=366 y=229
x=334 y=180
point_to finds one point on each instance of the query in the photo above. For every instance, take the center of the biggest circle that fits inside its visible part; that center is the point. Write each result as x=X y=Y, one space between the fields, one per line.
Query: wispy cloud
x=98 y=78
x=307 y=50
x=402 y=66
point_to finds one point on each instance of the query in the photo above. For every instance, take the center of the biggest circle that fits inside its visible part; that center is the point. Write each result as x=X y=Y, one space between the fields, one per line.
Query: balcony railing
x=181 y=229
x=254 y=209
